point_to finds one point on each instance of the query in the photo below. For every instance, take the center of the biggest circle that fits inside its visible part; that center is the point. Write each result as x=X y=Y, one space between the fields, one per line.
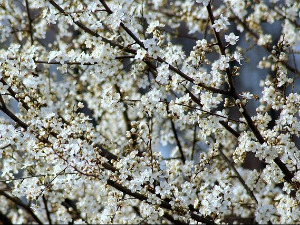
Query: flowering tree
x=92 y=90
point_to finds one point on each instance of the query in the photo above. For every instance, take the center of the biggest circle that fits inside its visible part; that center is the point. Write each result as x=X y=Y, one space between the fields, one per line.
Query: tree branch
x=288 y=174
x=231 y=165
x=47 y=210
x=29 y=21
x=21 y=204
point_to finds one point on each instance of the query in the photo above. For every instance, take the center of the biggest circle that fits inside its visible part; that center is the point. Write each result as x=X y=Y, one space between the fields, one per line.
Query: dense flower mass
x=108 y=117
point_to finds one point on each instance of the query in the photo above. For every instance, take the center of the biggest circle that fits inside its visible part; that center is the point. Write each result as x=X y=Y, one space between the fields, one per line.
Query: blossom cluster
x=94 y=94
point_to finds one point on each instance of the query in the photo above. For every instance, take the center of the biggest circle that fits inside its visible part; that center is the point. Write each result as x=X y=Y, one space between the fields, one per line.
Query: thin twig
x=47 y=209
x=231 y=165
x=267 y=47
x=194 y=142
x=192 y=107
x=29 y=21
x=176 y=137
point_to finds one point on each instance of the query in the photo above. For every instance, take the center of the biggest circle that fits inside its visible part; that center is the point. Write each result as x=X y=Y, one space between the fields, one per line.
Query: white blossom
x=204 y=2
x=134 y=112
x=221 y=23
x=231 y=38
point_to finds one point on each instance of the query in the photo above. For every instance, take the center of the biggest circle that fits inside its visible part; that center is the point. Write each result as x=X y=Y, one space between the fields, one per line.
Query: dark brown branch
x=229 y=128
x=13 y=94
x=163 y=204
x=47 y=210
x=29 y=21
x=183 y=75
x=193 y=97
x=176 y=136
x=194 y=141
x=11 y=114
x=177 y=141
x=21 y=204
x=125 y=114
x=4 y=219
